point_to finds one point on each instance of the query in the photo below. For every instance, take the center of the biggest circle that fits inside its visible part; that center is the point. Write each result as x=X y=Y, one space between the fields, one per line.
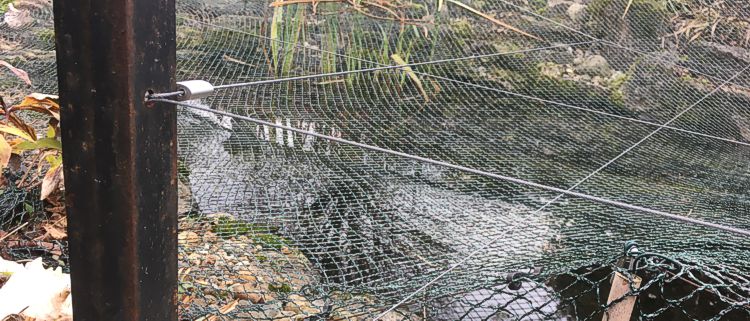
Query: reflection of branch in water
x=287 y=138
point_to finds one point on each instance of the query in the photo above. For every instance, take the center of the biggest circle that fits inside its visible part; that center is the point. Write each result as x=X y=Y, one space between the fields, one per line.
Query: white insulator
x=195 y=89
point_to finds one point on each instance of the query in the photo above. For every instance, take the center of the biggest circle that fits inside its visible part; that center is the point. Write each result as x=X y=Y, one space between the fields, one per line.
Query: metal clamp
x=195 y=89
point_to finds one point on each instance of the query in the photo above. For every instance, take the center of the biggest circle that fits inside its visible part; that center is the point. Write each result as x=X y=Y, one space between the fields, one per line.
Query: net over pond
x=632 y=102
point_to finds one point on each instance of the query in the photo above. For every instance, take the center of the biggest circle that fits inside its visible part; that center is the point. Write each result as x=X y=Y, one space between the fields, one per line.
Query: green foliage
x=280 y=288
x=330 y=45
x=4 y=5
x=287 y=28
x=228 y=227
x=270 y=240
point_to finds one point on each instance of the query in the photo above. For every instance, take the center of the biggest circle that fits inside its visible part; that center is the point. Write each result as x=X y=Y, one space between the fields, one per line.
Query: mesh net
x=276 y=225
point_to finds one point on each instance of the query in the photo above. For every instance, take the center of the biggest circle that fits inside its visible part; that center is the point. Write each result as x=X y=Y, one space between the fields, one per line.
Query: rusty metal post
x=119 y=156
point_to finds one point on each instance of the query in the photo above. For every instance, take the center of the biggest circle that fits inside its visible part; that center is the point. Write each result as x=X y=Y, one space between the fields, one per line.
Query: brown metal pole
x=119 y=156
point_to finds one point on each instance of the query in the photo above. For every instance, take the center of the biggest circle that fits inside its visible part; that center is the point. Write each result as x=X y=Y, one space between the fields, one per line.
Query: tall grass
x=287 y=25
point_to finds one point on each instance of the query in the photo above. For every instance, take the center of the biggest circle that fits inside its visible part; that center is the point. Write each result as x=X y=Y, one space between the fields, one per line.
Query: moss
x=616 y=85
x=270 y=240
x=261 y=258
x=280 y=288
x=538 y=6
x=228 y=227
x=461 y=26
x=45 y=34
x=505 y=46
x=4 y=5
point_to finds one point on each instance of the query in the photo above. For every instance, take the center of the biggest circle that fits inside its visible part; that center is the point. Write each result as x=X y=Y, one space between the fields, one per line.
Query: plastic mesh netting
x=277 y=225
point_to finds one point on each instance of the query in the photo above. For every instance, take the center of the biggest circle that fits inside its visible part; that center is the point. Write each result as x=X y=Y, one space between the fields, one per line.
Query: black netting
x=642 y=102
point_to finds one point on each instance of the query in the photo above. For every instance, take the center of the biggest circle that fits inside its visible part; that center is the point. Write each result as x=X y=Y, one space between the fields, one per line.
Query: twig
x=279 y=3
x=358 y=8
x=490 y=18
x=22 y=181
x=384 y=8
x=13 y=232
x=627 y=8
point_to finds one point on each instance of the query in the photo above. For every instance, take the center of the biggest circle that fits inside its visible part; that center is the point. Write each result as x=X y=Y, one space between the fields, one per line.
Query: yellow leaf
x=51 y=181
x=5 y=151
x=17 y=132
x=50 y=132
x=412 y=75
x=54 y=160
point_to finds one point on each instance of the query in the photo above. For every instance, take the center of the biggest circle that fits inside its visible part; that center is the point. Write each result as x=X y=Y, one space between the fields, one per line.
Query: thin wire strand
x=506 y=92
x=463 y=168
x=387 y=67
x=570 y=191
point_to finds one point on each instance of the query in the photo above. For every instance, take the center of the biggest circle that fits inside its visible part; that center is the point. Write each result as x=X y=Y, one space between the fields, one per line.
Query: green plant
x=4 y=5
x=281 y=288
x=286 y=33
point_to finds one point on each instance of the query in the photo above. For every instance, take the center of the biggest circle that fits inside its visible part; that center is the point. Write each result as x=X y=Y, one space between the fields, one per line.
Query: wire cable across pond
x=465 y=169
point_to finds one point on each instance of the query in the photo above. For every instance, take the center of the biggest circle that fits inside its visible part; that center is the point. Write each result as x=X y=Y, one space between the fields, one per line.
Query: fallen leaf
x=51 y=181
x=42 y=294
x=20 y=73
x=15 y=18
x=188 y=237
x=51 y=248
x=55 y=232
x=229 y=307
x=5 y=152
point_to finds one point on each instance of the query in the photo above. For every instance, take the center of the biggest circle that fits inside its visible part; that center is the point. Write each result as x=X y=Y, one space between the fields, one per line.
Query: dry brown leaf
x=229 y=307
x=20 y=73
x=42 y=103
x=20 y=124
x=56 y=209
x=51 y=181
x=16 y=18
x=55 y=233
x=15 y=317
